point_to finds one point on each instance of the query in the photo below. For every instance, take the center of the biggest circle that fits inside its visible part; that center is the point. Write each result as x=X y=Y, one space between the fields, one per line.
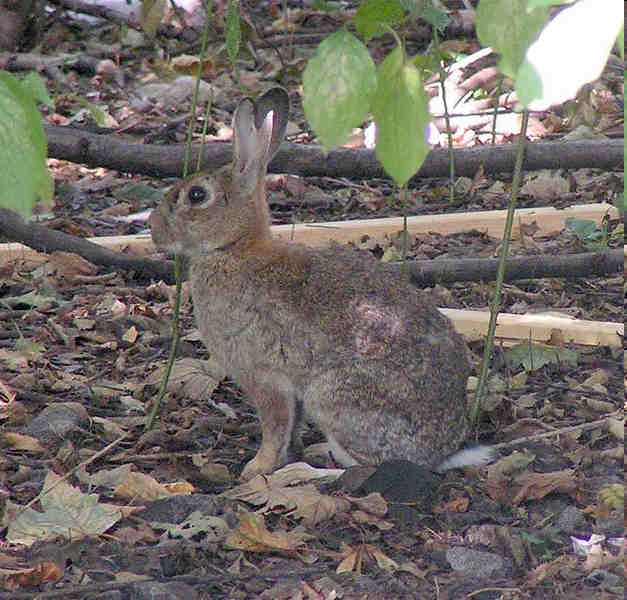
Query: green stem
x=178 y=262
x=404 y=197
x=447 y=120
x=495 y=305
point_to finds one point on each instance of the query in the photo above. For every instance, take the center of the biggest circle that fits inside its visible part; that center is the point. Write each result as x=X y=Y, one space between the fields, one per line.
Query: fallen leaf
x=253 y=535
x=533 y=486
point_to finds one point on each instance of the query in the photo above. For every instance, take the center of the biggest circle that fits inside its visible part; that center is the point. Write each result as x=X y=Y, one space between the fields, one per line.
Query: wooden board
x=491 y=222
x=473 y=325
x=320 y=234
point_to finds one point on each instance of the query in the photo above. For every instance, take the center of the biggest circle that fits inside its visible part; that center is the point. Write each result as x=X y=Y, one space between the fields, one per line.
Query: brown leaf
x=68 y=264
x=533 y=486
x=253 y=535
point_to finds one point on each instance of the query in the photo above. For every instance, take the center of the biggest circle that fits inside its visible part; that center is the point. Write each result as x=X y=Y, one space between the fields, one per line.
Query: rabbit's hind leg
x=279 y=417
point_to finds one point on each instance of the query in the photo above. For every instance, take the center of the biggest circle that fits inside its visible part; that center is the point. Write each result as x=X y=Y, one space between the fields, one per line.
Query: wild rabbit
x=329 y=332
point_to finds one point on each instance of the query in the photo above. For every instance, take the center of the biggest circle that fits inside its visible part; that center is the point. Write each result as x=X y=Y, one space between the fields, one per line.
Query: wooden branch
x=585 y=264
x=537 y=328
x=42 y=239
x=97 y=150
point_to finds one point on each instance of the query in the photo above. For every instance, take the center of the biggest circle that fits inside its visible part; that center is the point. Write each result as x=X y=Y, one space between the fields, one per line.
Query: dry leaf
x=253 y=535
x=458 y=505
x=533 y=486
x=44 y=572
x=374 y=503
x=19 y=441
x=140 y=488
x=68 y=264
x=363 y=517
x=193 y=378
x=304 y=501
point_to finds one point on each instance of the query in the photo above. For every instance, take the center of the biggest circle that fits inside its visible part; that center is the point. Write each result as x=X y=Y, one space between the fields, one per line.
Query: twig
x=562 y=431
x=90 y=460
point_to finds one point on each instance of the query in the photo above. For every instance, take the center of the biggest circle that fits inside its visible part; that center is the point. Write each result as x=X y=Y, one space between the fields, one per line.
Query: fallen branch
x=98 y=150
x=587 y=264
x=47 y=240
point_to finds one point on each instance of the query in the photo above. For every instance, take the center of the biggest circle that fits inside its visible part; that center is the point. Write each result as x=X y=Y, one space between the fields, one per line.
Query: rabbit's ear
x=276 y=101
x=258 y=129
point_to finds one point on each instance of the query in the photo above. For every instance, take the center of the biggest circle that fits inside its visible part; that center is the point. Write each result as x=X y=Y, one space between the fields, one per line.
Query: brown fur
x=374 y=363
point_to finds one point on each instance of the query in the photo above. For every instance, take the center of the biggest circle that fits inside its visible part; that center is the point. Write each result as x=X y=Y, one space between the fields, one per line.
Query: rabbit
x=325 y=332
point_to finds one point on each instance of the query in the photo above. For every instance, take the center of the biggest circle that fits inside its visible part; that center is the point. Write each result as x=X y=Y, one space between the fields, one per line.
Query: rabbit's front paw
x=264 y=462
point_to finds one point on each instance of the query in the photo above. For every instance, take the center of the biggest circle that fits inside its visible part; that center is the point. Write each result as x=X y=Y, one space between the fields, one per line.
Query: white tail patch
x=468 y=457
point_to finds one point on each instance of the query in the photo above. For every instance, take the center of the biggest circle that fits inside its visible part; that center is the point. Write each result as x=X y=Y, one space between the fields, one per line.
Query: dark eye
x=196 y=195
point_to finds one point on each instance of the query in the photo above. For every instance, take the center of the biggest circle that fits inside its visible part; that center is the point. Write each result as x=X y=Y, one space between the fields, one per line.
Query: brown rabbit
x=366 y=355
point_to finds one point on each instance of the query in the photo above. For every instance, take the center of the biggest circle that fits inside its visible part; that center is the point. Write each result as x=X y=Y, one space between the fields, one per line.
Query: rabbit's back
x=369 y=355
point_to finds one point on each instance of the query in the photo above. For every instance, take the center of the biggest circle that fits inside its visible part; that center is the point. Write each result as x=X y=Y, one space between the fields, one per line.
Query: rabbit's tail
x=468 y=457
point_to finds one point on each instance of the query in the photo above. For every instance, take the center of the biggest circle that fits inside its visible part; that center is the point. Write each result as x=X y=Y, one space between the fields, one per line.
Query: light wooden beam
x=321 y=234
x=549 y=329
x=488 y=221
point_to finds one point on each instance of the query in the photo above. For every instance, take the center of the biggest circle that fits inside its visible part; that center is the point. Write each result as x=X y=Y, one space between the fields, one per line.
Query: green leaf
x=152 y=13
x=375 y=17
x=528 y=84
x=233 y=30
x=35 y=86
x=24 y=176
x=509 y=28
x=588 y=233
x=532 y=357
x=401 y=113
x=582 y=227
x=338 y=84
x=96 y=113
x=436 y=18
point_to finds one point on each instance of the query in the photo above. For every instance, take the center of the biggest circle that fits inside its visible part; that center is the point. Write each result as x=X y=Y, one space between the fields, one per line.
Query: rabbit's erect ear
x=276 y=101
x=258 y=129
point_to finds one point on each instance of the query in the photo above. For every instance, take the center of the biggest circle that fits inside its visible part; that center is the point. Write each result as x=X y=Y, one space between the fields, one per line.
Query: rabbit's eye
x=196 y=195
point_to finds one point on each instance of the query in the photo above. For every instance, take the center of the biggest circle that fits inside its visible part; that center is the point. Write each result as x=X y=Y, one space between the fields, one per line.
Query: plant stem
x=178 y=261
x=500 y=274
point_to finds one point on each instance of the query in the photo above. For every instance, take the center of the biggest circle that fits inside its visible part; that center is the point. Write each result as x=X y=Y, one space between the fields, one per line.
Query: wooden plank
x=320 y=234
x=492 y=222
x=473 y=325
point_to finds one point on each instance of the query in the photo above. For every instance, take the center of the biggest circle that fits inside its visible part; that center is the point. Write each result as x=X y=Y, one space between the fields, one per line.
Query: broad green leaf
x=582 y=227
x=401 y=113
x=35 y=86
x=570 y=51
x=24 y=176
x=233 y=30
x=338 y=84
x=152 y=13
x=375 y=17
x=435 y=17
x=509 y=28
x=532 y=357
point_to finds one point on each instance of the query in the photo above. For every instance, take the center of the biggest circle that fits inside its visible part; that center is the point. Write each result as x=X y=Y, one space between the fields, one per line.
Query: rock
x=480 y=564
